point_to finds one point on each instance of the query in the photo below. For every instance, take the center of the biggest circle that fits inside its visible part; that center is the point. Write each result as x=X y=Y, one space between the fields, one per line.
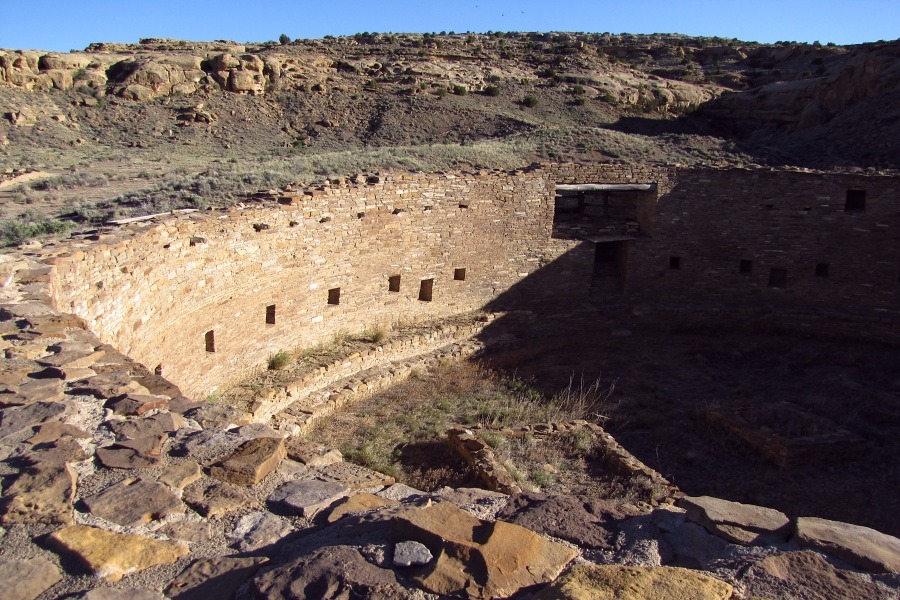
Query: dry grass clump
x=400 y=431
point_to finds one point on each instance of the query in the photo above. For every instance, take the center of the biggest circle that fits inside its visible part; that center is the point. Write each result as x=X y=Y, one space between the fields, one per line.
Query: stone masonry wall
x=156 y=291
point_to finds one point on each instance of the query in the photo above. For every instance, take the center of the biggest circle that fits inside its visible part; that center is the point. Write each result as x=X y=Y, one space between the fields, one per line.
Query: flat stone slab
x=51 y=432
x=860 y=546
x=27 y=579
x=251 y=462
x=120 y=594
x=258 y=530
x=121 y=457
x=353 y=476
x=739 y=523
x=137 y=404
x=214 y=498
x=133 y=502
x=218 y=416
x=209 y=578
x=307 y=498
x=611 y=582
x=312 y=454
x=478 y=558
x=187 y=531
x=17 y=418
x=181 y=475
x=357 y=503
x=42 y=493
x=109 y=385
x=158 y=424
x=110 y=555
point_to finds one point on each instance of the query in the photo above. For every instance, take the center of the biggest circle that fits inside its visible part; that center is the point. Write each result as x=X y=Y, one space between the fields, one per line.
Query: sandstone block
x=590 y=582
x=27 y=579
x=112 y=555
x=42 y=493
x=137 y=404
x=739 y=523
x=133 y=502
x=251 y=462
x=258 y=530
x=357 y=503
x=181 y=475
x=311 y=454
x=214 y=498
x=408 y=554
x=860 y=546
x=213 y=578
x=307 y=498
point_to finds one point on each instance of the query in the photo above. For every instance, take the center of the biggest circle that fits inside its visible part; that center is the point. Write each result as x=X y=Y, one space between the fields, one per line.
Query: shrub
x=460 y=90
x=279 y=360
x=492 y=91
x=375 y=334
x=529 y=101
x=284 y=39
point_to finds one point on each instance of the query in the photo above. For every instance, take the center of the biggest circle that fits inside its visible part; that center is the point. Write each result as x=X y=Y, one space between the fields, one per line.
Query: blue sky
x=72 y=24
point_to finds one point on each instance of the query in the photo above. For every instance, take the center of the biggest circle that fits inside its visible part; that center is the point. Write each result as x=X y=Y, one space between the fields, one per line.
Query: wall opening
x=394 y=283
x=334 y=296
x=425 y=290
x=746 y=267
x=675 y=263
x=610 y=266
x=778 y=278
x=461 y=205
x=270 y=314
x=822 y=270
x=459 y=274
x=856 y=201
x=158 y=370
x=210 y=339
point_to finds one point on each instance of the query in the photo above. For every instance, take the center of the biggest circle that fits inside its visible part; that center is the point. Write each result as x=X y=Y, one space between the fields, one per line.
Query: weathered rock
x=51 y=432
x=481 y=559
x=213 y=578
x=42 y=493
x=307 y=498
x=251 y=462
x=806 y=576
x=133 y=502
x=17 y=418
x=311 y=454
x=109 y=385
x=148 y=445
x=65 y=450
x=739 y=523
x=120 y=594
x=27 y=579
x=72 y=359
x=590 y=582
x=187 y=531
x=136 y=404
x=121 y=457
x=408 y=554
x=214 y=498
x=181 y=475
x=260 y=529
x=111 y=555
x=860 y=546
x=356 y=503
x=218 y=416
x=158 y=424
x=331 y=573
x=588 y=522
x=353 y=476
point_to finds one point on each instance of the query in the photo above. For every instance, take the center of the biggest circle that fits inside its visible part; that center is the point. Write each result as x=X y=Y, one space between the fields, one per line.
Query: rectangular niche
x=394 y=283
x=459 y=274
x=822 y=270
x=746 y=267
x=210 y=339
x=856 y=201
x=270 y=314
x=334 y=296
x=425 y=290
x=778 y=278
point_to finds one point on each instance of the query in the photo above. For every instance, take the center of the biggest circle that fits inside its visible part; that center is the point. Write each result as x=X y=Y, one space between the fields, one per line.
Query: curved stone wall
x=205 y=298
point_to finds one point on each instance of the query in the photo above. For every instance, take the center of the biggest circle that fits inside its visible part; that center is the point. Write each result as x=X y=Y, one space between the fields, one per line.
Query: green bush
x=279 y=360
x=530 y=101
x=460 y=90
x=284 y=39
x=492 y=91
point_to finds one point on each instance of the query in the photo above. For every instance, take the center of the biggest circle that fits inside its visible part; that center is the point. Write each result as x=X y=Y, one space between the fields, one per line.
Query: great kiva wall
x=205 y=298
x=112 y=341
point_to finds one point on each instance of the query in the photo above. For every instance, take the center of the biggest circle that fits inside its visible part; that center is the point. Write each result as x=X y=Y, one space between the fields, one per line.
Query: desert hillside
x=118 y=129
